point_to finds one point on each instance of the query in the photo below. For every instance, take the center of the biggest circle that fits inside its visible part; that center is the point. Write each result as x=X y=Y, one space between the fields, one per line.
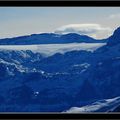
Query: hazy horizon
x=97 y=22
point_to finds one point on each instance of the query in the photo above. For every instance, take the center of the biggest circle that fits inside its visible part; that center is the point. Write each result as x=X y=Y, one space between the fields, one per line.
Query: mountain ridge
x=49 y=38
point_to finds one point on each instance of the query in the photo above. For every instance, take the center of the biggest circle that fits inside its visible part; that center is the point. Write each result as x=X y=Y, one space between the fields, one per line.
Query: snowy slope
x=51 y=49
x=104 y=105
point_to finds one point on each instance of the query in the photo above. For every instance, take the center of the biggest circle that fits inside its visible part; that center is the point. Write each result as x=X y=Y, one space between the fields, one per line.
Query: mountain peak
x=117 y=31
x=115 y=38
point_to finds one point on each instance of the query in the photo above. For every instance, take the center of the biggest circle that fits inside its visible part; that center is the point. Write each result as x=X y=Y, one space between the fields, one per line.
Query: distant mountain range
x=49 y=38
x=87 y=75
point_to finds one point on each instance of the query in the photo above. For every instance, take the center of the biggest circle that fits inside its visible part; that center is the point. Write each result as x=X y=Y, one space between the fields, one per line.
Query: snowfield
x=51 y=49
x=101 y=105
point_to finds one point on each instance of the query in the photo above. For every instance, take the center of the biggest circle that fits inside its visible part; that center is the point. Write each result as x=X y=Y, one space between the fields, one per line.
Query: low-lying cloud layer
x=93 y=30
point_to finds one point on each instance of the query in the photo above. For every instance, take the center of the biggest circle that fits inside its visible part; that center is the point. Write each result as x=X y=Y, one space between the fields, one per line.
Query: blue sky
x=17 y=21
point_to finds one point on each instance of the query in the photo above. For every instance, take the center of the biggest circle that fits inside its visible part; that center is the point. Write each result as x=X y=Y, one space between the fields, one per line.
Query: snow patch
x=95 y=106
x=85 y=65
x=36 y=93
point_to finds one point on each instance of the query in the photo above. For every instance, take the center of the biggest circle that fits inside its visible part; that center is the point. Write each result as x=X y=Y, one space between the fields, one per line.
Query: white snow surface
x=95 y=106
x=51 y=49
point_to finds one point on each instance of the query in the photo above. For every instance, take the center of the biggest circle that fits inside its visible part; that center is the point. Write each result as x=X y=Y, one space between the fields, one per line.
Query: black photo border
x=59 y=3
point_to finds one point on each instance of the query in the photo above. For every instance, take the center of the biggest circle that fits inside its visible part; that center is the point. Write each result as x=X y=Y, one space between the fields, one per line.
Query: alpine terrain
x=68 y=73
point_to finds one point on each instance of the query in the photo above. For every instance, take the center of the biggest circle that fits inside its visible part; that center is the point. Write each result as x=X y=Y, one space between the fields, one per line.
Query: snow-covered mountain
x=105 y=105
x=52 y=77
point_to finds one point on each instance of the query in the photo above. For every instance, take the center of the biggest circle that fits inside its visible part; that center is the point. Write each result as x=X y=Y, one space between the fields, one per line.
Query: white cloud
x=51 y=49
x=93 y=30
x=113 y=16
